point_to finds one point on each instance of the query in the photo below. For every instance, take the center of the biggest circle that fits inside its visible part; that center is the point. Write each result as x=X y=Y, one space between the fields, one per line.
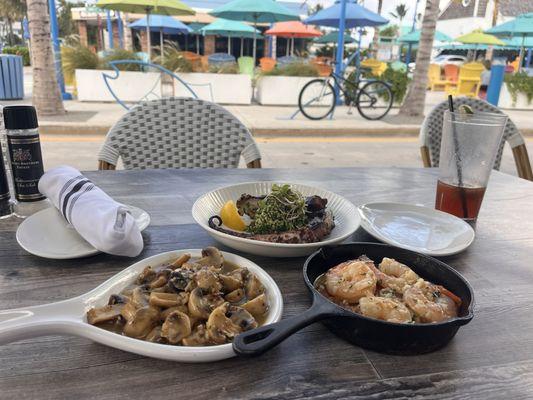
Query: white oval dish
x=69 y=316
x=347 y=219
x=416 y=228
x=47 y=234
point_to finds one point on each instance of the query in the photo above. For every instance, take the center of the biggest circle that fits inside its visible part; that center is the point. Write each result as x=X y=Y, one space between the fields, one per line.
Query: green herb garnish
x=282 y=210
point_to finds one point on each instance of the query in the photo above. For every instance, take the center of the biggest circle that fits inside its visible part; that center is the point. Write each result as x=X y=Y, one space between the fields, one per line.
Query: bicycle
x=318 y=98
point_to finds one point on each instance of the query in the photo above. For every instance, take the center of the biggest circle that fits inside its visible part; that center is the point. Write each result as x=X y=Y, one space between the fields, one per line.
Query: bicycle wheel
x=374 y=100
x=317 y=99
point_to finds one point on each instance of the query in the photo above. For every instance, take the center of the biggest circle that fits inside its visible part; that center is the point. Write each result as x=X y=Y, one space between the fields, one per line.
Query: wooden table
x=491 y=358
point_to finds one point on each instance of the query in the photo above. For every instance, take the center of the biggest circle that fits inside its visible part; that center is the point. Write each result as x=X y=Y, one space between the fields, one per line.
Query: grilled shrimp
x=394 y=275
x=351 y=280
x=428 y=303
x=385 y=309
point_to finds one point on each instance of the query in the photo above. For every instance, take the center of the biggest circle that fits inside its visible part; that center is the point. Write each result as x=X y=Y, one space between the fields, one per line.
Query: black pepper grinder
x=6 y=206
x=24 y=151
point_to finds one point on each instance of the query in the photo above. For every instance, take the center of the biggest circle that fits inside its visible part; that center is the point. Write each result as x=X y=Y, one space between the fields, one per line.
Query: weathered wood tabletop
x=491 y=358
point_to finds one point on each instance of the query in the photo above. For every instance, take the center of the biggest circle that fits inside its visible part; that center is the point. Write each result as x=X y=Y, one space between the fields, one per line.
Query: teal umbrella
x=256 y=11
x=333 y=37
x=229 y=29
x=520 y=27
x=518 y=42
x=414 y=37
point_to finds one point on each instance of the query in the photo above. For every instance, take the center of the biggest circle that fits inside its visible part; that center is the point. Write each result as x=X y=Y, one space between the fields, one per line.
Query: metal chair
x=431 y=134
x=178 y=132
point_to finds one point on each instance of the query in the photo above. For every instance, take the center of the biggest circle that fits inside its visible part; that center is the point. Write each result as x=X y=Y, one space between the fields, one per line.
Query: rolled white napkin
x=103 y=222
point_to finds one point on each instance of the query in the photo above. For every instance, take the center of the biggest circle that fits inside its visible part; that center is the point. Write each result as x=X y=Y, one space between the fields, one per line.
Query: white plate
x=47 y=234
x=69 y=316
x=347 y=219
x=416 y=228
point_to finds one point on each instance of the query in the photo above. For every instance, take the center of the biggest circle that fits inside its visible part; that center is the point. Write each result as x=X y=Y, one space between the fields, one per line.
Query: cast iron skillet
x=381 y=336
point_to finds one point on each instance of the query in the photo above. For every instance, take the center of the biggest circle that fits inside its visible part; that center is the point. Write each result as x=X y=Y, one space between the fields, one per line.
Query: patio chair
x=468 y=82
x=246 y=66
x=178 y=132
x=267 y=64
x=377 y=67
x=286 y=60
x=323 y=69
x=435 y=81
x=194 y=59
x=431 y=134
x=451 y=73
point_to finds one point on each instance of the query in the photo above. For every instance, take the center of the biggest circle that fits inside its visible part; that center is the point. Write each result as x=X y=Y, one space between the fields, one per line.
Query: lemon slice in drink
x=231 y=218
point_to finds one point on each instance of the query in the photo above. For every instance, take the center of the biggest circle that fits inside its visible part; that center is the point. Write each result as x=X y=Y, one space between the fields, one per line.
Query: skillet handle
x=259 y=340
x=29 y=322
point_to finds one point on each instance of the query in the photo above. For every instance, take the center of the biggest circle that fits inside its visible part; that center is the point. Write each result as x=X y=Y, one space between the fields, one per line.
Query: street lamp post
x=54 y=31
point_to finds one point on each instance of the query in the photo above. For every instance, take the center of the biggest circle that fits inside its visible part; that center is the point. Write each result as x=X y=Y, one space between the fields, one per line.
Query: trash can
x=11 y=77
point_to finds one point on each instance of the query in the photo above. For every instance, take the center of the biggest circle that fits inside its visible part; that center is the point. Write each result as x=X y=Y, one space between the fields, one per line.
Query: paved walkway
x=97 y=118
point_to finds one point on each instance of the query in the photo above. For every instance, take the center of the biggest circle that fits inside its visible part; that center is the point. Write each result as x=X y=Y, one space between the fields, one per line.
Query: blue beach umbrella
x=356 y=16
x=163 y=24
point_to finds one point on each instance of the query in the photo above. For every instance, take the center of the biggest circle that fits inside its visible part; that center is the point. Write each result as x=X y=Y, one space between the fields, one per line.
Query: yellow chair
x=469 y=81
x=377 y=67
x=435 y=81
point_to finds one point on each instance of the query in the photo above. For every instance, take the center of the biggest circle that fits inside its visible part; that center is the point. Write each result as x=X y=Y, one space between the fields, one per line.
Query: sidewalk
x=97 y=119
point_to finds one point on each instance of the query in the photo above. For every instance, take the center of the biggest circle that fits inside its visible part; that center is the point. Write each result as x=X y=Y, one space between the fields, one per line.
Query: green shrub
x=224 y=68
x=76 y=56
x=173 y=59
x=18 y=51
x=399 y=82
x=121 y=54
x=294 y=69
x=520 y=83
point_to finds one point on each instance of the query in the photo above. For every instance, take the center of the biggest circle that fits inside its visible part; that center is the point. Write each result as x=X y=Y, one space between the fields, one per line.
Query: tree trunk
x=413 y=105
x=46 y=95
x=10 y=38
x=375 y=40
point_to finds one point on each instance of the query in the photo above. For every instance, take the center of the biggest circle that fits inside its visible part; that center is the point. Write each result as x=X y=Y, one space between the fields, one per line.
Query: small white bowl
x=347 y=219
x=69 y=316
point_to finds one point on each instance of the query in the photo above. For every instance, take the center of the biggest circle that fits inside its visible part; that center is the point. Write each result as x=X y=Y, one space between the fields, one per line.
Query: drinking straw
x=458 y=158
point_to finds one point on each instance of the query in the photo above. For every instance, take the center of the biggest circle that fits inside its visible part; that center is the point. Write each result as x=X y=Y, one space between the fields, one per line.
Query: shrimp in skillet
x=429 y=303
x=385 y=309
x=351 y=280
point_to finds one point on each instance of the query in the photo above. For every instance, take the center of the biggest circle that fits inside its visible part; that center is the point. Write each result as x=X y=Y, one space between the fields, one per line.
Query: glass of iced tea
x=469 y=146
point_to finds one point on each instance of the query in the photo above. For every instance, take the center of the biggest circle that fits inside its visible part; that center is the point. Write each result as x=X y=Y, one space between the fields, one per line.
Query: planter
x=280 y=90
x=130 y=86
x=225 y=88
x=506 y=101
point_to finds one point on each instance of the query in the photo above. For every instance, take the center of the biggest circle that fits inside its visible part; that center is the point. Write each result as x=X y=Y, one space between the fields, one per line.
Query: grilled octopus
x=320 y=222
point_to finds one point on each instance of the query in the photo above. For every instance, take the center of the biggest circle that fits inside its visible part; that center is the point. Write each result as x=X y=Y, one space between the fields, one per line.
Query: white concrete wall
x=226 y=88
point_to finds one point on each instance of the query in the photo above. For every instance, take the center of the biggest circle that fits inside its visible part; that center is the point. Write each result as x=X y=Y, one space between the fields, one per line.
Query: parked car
x=444 y=59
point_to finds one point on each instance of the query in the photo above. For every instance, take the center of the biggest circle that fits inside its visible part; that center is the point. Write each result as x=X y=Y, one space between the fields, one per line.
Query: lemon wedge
x=231 y=218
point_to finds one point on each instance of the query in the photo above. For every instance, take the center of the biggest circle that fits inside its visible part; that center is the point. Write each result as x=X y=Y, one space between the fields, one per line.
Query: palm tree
x=399 y=13
x=413 y=105
x=375 y=40
x=11 y=11
x=46 y=95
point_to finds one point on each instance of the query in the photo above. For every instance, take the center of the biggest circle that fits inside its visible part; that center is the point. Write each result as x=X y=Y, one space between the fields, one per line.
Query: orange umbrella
x=293 y=29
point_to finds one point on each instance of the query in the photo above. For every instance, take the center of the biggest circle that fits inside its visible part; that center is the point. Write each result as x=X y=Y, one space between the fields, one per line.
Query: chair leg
x=105 y=166
x=254 y=164
x=523 y=165
x=426 y=158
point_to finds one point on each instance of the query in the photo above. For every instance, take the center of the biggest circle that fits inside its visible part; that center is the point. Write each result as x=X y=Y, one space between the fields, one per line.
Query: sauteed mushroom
x=189 y=302
x=176 y=327
x=144 y=320
x=103 y=314
x=257 y=306
x=200 y=304
x=211 y=256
